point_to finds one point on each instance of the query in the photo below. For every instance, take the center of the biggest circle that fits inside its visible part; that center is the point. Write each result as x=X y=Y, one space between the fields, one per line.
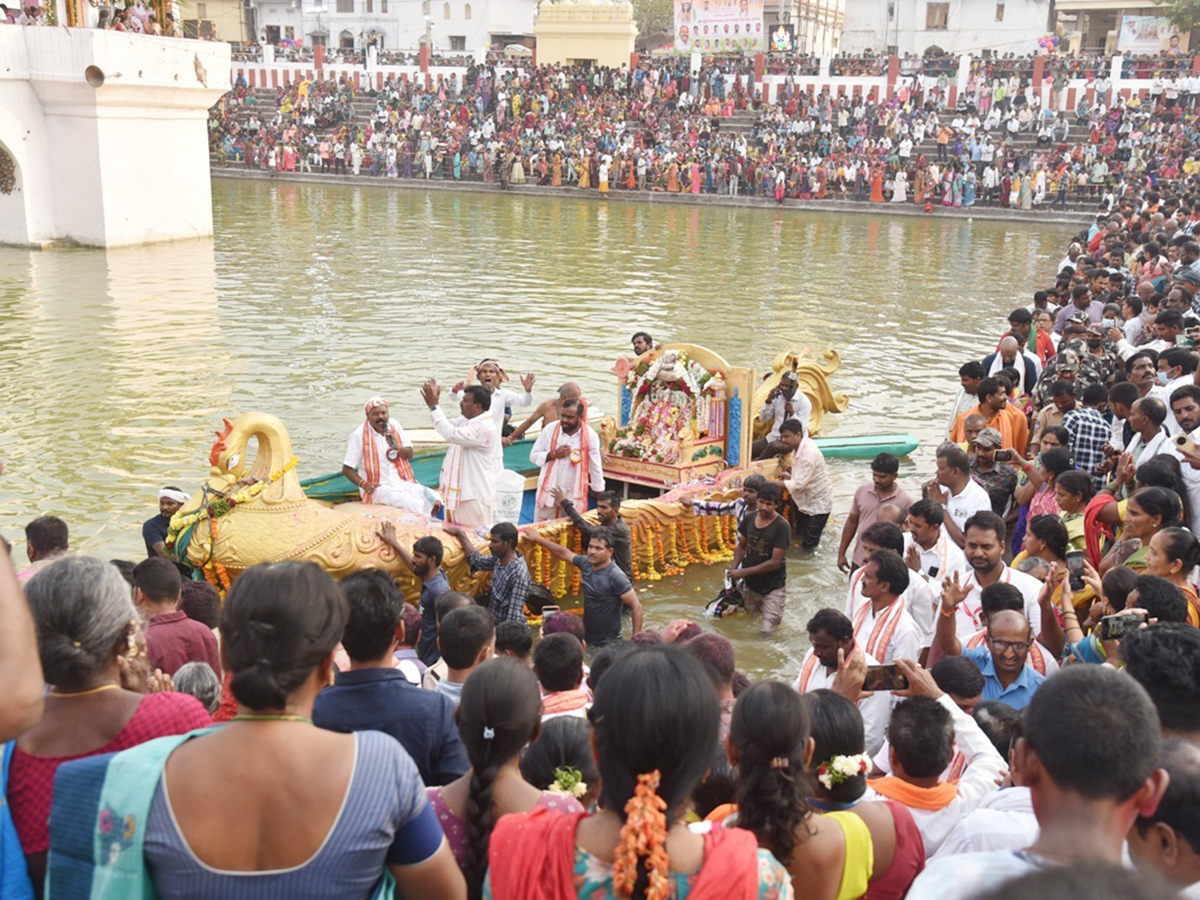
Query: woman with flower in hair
x=840 y=767
x=561 y=759
x=771 y=747
x=651 y=756
x=499 y=713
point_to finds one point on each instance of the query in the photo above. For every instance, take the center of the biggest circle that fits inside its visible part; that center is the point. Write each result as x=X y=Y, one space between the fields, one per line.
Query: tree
x=1185 y=14
x=658 y=16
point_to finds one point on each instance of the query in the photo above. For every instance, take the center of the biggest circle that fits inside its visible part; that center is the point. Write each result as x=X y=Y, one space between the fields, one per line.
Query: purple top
x=455 y=828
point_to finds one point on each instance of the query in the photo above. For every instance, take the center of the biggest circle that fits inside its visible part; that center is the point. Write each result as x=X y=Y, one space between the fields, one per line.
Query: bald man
x=546 y=411
x=1011 y=355
x=1001 y=659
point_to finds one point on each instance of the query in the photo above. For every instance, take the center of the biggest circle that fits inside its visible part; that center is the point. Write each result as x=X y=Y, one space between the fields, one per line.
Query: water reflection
x=118 y=365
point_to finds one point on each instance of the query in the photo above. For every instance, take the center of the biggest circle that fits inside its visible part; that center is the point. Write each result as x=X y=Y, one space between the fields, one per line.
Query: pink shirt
x=866 y=505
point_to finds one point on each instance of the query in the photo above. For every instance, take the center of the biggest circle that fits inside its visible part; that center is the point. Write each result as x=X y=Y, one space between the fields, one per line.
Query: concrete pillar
x=75 y=103
x=893 y=76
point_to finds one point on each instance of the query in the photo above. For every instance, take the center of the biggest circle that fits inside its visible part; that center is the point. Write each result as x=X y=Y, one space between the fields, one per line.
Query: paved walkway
x=1037 y=216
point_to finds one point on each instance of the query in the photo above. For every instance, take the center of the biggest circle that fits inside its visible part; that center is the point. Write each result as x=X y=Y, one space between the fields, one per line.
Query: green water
x=117 y=366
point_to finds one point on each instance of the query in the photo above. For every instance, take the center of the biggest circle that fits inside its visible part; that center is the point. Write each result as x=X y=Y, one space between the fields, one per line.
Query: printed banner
x=1150 y=34
x=719 y=26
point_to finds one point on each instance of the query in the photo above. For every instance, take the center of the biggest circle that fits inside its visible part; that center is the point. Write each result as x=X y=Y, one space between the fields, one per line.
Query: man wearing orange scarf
x=568 y=453
x=377 y=463
x=922 y=734
x=999 y=414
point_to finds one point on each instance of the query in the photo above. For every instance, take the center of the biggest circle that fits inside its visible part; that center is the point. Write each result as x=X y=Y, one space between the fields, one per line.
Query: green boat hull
x=867 y=446
x=427 y=465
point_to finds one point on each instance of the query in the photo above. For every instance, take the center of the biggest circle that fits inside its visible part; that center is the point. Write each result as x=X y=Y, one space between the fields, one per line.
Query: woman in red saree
x=655 y=721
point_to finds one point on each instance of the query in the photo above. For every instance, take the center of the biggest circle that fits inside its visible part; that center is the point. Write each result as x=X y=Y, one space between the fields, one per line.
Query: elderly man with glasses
x=1002 y=657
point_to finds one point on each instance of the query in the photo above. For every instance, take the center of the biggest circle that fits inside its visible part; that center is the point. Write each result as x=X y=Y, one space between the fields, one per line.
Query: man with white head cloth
x=377 y=463
x=1011 y=355
x=154 y=531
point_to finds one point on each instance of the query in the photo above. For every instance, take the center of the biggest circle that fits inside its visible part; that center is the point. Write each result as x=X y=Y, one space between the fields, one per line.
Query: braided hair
x=651 y=755
x=499 y=713
x=771 y=729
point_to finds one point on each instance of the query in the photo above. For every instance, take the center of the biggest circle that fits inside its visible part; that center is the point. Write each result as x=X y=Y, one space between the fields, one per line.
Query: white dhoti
x=408 y=495
x=546 y=513
x=471 y=513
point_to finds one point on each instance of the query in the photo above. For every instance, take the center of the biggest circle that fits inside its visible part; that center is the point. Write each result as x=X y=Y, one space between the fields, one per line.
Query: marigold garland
x=576 y=575
x=223 y=505
x=643 y=834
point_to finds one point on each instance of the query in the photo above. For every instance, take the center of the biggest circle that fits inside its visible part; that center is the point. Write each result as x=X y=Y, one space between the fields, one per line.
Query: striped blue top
x=384 y=819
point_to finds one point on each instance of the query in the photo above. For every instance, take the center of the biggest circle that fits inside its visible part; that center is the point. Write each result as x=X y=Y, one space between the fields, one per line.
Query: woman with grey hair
x=198 y=679
x=93 y=657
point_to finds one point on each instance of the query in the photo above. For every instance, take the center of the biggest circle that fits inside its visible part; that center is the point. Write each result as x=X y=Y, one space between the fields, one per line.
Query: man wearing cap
x=999 y=479
x=1187 y=279
x=377 y=463
x=1068 y=365
x=154 y=531
x=786 y=401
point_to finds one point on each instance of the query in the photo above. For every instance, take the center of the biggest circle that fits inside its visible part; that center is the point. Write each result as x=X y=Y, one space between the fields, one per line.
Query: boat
x=431 y=446
x=867 y=446
x=686 y=423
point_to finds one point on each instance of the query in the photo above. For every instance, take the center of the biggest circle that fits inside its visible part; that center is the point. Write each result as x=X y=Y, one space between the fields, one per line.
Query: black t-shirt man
x=761 y=544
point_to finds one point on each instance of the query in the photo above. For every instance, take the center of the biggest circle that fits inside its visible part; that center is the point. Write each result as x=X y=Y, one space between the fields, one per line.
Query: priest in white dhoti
x=377 y=463
x=568 y=453
x=468 y=480
x=491 y=376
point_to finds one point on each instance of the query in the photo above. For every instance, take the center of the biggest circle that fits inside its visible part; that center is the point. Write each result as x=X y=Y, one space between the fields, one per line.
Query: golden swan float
x=252 y=512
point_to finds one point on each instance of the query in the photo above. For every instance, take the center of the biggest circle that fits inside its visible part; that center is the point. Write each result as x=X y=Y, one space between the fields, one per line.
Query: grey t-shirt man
x=602 y=591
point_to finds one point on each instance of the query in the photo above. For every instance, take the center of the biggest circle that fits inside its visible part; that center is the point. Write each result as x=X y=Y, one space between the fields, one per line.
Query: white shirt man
x=967 y=617
x=775 y=409
x=968 y=501
x=386 y=466
x=568 y=454
x=1003 y=820
x=502 y=400
x=1191 y=480
x=936 y=562
x=468 y=479
x=815 y=675
x=887 y=634
x=925 y=587
x=808 y=482
x=983 y=766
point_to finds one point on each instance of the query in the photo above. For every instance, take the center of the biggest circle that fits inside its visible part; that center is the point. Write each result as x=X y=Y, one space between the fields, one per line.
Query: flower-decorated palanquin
x=686 y=414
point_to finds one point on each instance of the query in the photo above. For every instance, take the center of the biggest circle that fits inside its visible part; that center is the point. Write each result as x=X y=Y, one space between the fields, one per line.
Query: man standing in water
x=377 y=463
x=758 y=560
x=154 y=531
x=546 y=412
x=468 y=479
x=605 y=587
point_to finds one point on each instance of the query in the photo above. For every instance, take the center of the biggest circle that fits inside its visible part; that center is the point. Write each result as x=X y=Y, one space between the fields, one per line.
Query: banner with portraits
x=1150 y=34
x=719 y=26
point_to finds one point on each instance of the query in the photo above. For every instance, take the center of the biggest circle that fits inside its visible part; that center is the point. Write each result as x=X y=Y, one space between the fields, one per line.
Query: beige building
x=214 y=20
x=574 y=31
